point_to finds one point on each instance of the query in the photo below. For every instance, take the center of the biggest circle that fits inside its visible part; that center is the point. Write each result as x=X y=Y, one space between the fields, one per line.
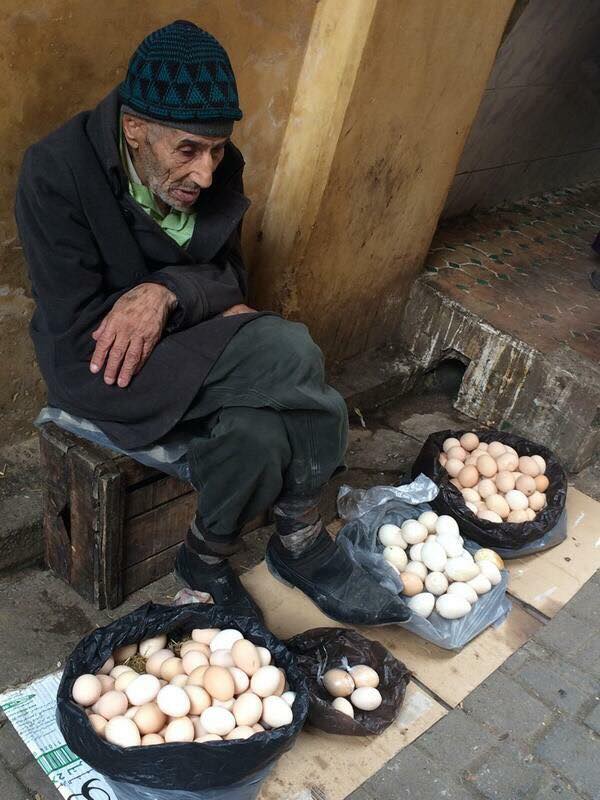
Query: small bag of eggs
x=356 y=686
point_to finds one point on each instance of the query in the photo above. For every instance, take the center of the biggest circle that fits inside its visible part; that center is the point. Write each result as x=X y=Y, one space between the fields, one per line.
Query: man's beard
x=152 y=170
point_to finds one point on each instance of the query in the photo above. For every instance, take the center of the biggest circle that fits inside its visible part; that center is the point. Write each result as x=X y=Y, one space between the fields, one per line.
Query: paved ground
x=530 y=731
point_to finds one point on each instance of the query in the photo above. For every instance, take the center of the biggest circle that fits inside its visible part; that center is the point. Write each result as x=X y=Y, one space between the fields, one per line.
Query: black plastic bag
x=176 y=768
x=510 y=539
x=321 y=649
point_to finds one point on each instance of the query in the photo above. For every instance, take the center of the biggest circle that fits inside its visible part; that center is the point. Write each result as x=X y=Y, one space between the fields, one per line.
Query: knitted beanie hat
x=181 y=76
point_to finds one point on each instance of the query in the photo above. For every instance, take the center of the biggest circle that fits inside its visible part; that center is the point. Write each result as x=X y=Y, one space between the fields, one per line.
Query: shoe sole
x=272 y=569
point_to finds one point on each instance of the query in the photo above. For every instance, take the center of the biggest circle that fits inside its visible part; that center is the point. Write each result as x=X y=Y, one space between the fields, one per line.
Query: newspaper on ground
x=32 y=712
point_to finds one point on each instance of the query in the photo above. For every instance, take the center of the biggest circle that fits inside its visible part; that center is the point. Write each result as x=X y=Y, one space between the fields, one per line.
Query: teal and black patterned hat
x=181 y=76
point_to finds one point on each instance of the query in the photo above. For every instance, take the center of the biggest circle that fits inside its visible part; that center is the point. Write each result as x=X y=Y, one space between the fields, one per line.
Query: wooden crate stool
x=111 y=525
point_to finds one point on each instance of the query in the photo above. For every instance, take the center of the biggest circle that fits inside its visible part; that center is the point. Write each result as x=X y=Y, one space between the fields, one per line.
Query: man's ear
x=134 y=130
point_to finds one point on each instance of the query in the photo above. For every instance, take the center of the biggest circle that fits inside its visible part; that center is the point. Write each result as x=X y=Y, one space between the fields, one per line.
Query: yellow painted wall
x=421 y=76
x=58 y=57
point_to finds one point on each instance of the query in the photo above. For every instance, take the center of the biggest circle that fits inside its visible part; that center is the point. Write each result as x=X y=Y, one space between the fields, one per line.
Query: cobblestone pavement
x=529 y=732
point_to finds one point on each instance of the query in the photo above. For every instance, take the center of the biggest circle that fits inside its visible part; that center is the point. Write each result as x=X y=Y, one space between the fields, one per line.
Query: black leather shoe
x=219 y=580
x=338 y=586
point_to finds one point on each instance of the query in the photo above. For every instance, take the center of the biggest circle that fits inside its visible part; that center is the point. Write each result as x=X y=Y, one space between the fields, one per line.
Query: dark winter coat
x=87 y=242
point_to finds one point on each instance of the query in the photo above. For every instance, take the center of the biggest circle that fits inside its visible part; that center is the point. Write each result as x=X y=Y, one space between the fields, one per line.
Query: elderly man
x=130 y=221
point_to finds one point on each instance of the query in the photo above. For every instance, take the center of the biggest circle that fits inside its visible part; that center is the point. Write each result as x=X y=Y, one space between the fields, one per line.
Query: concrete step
x=508 y=294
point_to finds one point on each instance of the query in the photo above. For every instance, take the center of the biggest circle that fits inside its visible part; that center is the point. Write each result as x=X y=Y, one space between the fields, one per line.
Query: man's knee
x=285 y=340
x=258 y=431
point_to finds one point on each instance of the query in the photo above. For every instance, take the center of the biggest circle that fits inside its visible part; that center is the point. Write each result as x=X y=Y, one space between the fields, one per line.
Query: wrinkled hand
x=130 y=331
x=240 y=308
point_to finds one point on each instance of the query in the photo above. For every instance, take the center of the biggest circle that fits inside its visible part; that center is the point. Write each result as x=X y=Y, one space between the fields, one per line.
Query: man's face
x=173 y=164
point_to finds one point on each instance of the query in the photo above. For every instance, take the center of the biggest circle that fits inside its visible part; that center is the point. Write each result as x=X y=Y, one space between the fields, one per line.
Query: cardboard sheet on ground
x=332 y=767
x=447 y=674
x=547 y=581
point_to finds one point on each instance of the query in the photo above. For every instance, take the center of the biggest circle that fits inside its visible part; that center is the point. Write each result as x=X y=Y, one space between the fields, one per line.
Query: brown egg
x=541 y=483
x=218 y=682
x=197 y=677
x=488 y=515
x=518 y=516
x=526 y=484
x=469 y=441
x=149 y=718
x=98 y=723
x=496 y=449
x=504 y=481
x=483 y=446
x=171 y=667
x=412 y=584
x=487 y=466
x=530 y=514
x=468 y=477
x=448 y=443
x=456 y=482
x=338 y=683
x=541 y=464
x=498 y=505
x=485 y=554
x=453 y=467
x=471 y=461
x=537 y=501
x=443 y=459
x=190 y=646
x=528 y=466
x=507 y=462
x=486 y=488
x=245 y=656
x=457 y=452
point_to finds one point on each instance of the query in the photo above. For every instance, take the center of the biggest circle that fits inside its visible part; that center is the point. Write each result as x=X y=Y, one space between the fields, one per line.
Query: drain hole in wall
x=445 y=378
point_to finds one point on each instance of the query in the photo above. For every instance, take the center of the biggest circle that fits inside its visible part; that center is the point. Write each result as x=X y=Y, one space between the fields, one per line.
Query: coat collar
x=220 y=209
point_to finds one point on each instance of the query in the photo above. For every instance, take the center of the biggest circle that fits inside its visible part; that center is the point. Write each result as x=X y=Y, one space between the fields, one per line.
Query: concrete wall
x=61 y=56
x=538 y=126
x=377 y=169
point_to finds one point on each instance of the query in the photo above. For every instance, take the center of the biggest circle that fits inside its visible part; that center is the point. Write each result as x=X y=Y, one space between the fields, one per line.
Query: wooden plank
x=145 y=496
x=332 y=767
x=84 y=576
x=145 y=572
x=54 y=448
x=110 y=538
x=134 y=472
x=548 y=580
x=449 y=675
x=158 y=529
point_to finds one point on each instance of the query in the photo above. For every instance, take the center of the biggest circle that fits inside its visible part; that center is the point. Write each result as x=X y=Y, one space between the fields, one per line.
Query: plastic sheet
x=322 y=649
x=170 y=456
x=177 y=771
x=359 y=538
x=509 y=539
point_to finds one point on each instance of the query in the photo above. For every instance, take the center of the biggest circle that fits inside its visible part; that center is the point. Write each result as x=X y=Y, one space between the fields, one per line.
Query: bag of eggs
x=356 y=686
x=134 y=657
x=506 y=492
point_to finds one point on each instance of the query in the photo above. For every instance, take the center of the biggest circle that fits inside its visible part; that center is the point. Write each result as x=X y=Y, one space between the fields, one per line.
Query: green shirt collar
x=177 y=224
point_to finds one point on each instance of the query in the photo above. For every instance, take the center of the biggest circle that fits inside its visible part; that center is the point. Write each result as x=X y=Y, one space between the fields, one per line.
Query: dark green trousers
x=264 y=425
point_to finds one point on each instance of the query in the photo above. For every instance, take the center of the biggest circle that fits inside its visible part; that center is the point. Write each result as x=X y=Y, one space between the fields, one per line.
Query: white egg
x=240 y=679
x=429 y=519
x=452 y=544
x=414 y=532
x=276 y=712
x=363 y=675
x=247 y=709
x=87 y=690
x=264 y=656
x=344 y=706
x=142 y=690
x=491 y=572
x=480 y=583
x=422 y=604
x=265 y=681
x=391 y=536
x=123 y=732
x=289 y=698
x=452 y=606
x=463 y=590
x=173 y=701
x=147 y=647
x=417 y=568
x=225 y=639
x=461 y=569
x=396 y=556
x=433 y=556
x=366 y=698
x=180 y=730
x=446 y=524
x=436 y=583
x=516 y=500
x=415 y=552
x=218 y=720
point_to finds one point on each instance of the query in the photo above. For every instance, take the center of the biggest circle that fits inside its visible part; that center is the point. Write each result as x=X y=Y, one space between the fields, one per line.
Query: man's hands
x=130 y=332
x=240 y=308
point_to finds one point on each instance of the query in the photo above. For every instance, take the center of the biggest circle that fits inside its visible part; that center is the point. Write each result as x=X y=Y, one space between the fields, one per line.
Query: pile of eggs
x=219 y=686
x=496 y=483
x=434 y=567
x=355 y=687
